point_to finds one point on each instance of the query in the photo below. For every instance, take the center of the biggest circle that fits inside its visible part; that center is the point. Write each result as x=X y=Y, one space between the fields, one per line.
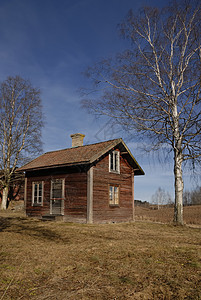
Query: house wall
x=76 y=197
x=102 y=211
x=75 y=204
x=75 y=192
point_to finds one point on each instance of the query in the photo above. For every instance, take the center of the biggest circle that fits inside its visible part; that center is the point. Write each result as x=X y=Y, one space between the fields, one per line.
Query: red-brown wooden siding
x=102 y=211
x=76 y=197
x=75 y=201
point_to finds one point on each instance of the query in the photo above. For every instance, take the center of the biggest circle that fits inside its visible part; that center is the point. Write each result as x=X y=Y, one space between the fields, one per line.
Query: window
x=114 y=165
x=57 y=189
x=37 y=193
x=113 y=195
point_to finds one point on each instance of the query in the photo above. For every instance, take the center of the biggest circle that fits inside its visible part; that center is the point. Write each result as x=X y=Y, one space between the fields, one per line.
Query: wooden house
x=91 y=183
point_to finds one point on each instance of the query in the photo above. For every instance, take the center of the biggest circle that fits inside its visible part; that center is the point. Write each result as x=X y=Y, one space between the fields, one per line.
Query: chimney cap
x=77 y=139
x=77 y=135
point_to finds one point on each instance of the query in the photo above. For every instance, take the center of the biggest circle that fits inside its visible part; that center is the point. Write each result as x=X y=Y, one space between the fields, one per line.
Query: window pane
x=40 y=189
x=57 y=188
x=35 y=190
x=115 y=161
x=111 y=161
x=111 y=194
x=57 y=185
x=56 y=194
x=37 y=193
x=116 y=195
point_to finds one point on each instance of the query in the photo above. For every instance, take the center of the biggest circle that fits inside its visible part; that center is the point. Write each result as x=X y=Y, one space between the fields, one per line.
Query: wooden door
x=56 y=207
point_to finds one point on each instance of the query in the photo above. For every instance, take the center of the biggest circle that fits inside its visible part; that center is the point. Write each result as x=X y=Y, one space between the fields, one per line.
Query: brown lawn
x=55 y=260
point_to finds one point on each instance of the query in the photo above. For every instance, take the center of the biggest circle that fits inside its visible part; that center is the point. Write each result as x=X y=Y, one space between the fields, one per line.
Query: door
x=56 y=207
x=57 y=196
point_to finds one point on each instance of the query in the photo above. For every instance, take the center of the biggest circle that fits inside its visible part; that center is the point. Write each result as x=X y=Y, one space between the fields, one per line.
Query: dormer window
x=114 y=162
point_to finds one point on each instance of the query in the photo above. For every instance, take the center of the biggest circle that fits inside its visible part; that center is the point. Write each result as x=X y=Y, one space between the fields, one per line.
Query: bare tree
x=154 y=87
x=20 y=128
x=161 y=197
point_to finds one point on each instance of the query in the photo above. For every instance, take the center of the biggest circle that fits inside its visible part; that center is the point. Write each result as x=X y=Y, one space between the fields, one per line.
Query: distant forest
x=192 y=197
x=161 y=197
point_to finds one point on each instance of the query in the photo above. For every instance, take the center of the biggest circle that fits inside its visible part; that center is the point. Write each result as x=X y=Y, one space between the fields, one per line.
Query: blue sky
x=51 y=43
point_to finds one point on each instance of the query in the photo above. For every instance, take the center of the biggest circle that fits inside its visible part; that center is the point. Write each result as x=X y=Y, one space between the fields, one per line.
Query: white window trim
x=117 y=171
x=63 y=188
x=33 y=189
x=113 y=203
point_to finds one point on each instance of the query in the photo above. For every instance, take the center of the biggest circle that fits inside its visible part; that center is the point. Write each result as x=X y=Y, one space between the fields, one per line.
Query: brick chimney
x=77 y=139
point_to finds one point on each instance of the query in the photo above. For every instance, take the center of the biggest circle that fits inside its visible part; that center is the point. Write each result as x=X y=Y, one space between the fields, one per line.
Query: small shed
x=91 y=183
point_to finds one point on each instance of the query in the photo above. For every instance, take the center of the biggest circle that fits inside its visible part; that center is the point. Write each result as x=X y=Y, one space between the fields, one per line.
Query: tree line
x=192 y=197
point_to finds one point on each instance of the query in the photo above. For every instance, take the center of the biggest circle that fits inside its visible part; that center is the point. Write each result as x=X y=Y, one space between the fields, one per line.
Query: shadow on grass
x=30 y=228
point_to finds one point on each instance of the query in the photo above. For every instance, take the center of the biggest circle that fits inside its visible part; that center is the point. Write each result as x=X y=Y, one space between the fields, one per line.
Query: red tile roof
x=73 y=156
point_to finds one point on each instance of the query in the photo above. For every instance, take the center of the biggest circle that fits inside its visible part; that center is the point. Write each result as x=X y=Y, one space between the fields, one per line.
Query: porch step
x=48 y=218
x=52 y=218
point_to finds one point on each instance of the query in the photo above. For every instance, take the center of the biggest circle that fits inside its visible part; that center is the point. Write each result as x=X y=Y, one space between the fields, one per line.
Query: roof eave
x=54 y=166
x=137 y=171
x=106 y=149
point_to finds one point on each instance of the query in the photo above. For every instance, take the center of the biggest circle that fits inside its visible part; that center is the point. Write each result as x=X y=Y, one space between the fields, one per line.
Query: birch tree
x=153 y=88
x=20 y=128
x=161 y=197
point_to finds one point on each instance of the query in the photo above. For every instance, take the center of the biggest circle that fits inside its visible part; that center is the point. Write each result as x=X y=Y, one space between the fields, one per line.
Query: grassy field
x=192 y=214
x=55 y=260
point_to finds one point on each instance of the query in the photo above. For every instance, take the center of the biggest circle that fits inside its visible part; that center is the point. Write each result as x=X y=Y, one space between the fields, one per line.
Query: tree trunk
x=4 y=198
x=178 y=208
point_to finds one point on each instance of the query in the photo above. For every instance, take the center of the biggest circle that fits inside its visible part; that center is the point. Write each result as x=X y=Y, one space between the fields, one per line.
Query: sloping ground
x=54 y=260
x=192 y=214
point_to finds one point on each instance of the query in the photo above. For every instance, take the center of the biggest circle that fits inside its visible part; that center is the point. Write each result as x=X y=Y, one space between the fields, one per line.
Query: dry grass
x=55 y=260
x=192 y=214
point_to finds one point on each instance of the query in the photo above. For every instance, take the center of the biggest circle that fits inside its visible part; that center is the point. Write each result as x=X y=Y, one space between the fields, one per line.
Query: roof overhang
x=125 y=152
x=53 y=166
x=117 y=143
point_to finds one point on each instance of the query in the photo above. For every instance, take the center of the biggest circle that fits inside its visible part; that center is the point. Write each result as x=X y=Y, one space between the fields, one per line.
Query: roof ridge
x=80 y=146
x=86 y=154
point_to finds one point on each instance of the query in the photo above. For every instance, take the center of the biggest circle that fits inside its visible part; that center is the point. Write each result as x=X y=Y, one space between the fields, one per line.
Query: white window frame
x=37 y=203
x=115 y=157
x=63 y=188
x=114 y=191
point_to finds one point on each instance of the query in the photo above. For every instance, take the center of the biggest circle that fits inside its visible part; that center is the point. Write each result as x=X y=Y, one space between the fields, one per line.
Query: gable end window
x=57 y=189
x=37 y=193
x=113 y=195
x=114 y=162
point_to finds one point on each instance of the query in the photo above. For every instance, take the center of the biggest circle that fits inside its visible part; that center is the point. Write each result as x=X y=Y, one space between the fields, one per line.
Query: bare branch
x=154 y=87
x=20 y=127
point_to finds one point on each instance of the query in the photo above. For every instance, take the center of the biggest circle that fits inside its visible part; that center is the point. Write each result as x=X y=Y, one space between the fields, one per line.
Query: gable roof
x=80 y=155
